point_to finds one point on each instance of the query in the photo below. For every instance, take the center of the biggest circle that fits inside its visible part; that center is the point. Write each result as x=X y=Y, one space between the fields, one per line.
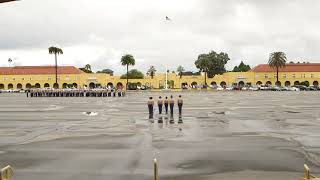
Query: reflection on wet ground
x=241 y=135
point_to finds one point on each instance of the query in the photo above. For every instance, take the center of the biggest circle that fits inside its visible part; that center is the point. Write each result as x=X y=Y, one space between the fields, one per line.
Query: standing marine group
x=168 y=104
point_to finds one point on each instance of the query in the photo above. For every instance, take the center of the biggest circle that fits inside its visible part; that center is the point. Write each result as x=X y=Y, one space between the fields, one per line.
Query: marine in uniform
x=160 y=103
x=150 y=107
x=166 y=103
x=180 y=104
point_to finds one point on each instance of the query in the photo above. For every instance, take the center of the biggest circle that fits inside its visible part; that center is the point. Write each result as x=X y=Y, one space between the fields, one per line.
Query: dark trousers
x=160 y=108
x=171 y=109
x=180 y=109
x=166 y=107
x=150 y=107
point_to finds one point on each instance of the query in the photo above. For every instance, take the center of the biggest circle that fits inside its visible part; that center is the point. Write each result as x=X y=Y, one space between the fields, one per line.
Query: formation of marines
x=168 y=104
x=75 y=93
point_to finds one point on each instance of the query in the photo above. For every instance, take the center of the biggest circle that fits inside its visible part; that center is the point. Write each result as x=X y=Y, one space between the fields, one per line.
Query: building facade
x=25 y=77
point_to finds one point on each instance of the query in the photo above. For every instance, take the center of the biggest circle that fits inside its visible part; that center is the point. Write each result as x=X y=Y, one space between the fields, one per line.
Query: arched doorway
x=75 y=85
x=92 y=85
x=278 y=83
x=268 y=83
x=56 y=86
x=241 y=84
x=315 y=83
x=46 y=85
x=1 y=86
x=19 y=86
x=287 y=83
x=259 y=83
x=119 y=85
x=37 y=85
x=64 y=85
x=296 y=83
x=28 y=86
x=213 y=83
x=10 y=86
x=223 y=84
x=184 y=85
x=110 y=84
x=194 y=84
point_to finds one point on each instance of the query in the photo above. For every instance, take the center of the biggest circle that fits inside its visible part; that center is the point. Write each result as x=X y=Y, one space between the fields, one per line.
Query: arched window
x=110 y=84
x=241 y=83
x=10 y=86
x=315 y=83
x=56 y=86
x=19 y=86
x=28 y=86
x=75 y=85
x=64 y=85
x=223 y=84
x=92 y=85
x=287 y=83
x=268 y=83
x=37 y=85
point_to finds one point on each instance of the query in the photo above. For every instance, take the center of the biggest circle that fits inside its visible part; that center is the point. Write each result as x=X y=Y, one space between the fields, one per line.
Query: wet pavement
x=224 y=135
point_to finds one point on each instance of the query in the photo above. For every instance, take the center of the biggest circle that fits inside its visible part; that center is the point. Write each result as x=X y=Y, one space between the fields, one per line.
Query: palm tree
x=277 y=60
x=56 y=51
x=151 y=71
x=180 y=70
x=127 y=60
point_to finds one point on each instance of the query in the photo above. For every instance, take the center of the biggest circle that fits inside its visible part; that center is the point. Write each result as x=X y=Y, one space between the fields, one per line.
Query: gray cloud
x=246 y=29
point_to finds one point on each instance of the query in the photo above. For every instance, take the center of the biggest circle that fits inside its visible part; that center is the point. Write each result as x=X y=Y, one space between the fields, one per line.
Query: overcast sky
x=99 y=32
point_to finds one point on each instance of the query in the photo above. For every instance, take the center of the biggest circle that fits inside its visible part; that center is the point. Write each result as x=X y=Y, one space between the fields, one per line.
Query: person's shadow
x=171 y=119
x=160 y=120
x=180 y=121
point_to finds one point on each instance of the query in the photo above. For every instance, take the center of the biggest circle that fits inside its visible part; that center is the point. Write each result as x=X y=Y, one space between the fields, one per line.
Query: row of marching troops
x=75 y=93
x=168 y=104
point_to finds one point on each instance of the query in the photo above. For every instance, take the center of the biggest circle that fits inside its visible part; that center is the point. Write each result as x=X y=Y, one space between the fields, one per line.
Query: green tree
x=106 y=71
x=56 y=51
x=133 y=74
x=86 y=68
x=212 y=64
x=277 y=60
x=241 y=68
x=127 y=60
x=180 y=70
x=151 y=71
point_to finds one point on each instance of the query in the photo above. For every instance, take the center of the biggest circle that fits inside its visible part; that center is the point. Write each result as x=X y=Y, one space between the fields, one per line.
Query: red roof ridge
x=25 y=70
x=290 y=67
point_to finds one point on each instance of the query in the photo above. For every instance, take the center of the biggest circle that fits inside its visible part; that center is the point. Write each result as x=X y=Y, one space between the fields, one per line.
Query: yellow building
x=25 y=77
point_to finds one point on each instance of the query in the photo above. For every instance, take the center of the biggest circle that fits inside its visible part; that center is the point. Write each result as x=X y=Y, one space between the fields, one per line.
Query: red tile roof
x=302 y=67
x=21 y=70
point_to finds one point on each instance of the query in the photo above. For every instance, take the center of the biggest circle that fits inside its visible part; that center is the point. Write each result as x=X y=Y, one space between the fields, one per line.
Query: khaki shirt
x=166 y=101
x=180 y=101
x=150 y=102
x=171 y=101
x=160 y=101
